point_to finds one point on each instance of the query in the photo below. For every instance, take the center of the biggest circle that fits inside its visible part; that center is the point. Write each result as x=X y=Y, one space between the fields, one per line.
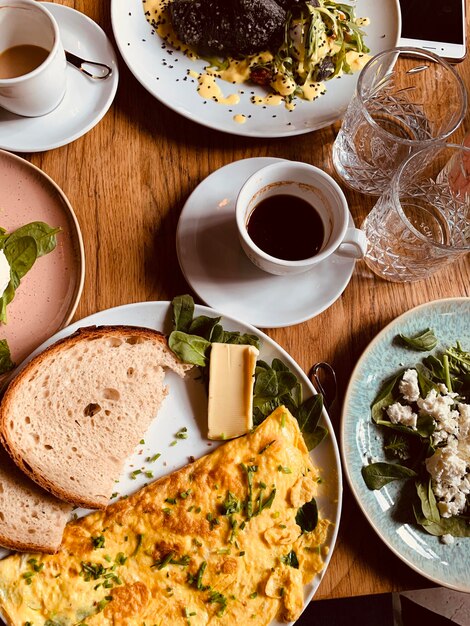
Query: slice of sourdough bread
x=30 y=518
x=76 y=411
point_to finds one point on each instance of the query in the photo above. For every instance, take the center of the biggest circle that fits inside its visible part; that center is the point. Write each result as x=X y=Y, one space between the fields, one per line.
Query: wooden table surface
x=128 y=179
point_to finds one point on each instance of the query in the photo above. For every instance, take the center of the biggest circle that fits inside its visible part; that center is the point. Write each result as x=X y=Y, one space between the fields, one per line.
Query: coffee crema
x=20 y=60
x=286 y=227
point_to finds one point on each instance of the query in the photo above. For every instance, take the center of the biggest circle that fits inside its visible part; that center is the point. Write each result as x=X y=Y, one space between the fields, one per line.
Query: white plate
x=163 y=72
x=86 y=100
x=186 y=406
x=218 y=270
x=388 y=509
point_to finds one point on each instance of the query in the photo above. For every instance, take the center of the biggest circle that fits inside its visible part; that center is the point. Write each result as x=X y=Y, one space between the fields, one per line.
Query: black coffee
x=286 y=227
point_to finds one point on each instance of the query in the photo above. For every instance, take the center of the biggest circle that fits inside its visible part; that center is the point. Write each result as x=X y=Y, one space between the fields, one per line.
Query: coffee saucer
x=216 y=267
x=86 y=100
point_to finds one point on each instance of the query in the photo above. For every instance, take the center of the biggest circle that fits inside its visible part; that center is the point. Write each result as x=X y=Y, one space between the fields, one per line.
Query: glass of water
x=405 y=99
x=422 y=221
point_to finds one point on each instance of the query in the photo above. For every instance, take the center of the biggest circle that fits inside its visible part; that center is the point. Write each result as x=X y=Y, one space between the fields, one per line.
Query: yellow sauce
x=239 y=119
x=210 y=90
x=237 y=71
x=271 y=99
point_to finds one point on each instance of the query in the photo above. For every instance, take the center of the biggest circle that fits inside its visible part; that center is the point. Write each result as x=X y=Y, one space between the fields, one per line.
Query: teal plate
x=389 y=510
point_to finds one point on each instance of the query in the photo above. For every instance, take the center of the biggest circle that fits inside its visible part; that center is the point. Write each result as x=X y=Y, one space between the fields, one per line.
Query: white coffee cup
x=27 y=22
x=317 y=188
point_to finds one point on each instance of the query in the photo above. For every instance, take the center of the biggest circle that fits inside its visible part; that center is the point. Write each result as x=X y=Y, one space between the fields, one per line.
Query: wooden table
x=127 y=180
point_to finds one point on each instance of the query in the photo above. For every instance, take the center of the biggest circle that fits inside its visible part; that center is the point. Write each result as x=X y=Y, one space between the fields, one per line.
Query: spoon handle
x=80 y=64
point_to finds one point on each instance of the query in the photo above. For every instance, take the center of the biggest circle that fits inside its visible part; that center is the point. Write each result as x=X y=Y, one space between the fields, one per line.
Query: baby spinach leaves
x=192 y=336
x=21 y=248
x=275 y=385
x=307 y=516
x=424 y=342
x=377 y=475
x=427 y=514
x=412 y=446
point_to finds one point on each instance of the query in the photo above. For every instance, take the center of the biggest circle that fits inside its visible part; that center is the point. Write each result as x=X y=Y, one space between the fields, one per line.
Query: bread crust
x=85 y=333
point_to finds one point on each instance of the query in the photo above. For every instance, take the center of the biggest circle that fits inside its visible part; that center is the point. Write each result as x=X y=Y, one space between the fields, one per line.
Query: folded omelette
x=225 y=540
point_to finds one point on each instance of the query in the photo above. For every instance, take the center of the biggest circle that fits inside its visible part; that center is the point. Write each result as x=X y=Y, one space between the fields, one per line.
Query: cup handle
x=354 y=244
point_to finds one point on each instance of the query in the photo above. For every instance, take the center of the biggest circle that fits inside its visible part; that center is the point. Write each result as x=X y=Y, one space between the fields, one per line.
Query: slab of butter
x=231 y=378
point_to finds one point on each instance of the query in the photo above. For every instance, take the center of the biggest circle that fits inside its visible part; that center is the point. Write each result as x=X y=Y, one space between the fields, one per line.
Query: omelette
x=230 y=538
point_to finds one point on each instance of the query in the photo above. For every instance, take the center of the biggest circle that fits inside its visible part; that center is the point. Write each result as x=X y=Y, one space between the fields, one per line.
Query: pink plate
x=48 y=295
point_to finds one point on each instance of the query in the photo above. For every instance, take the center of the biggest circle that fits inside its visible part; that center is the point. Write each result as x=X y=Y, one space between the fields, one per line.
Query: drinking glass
x=405 y=99
x=422 y=221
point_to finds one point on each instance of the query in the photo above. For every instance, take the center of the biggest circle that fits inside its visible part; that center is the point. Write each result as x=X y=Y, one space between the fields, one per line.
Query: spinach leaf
x=189 y=348
x=21 y=253
x=424 y=380
x=237 y=338
x=398 y=446
x=291 y=559
x=315 y=438
x=6 y=364
x=424 y=342
x=183 y=311
x=204 y=326
x=307 y=516
x=308 y=416
x=377 y=475
x=42 y=233
x=266 y=383
x=457 y=525
x=406 y=430
x=8 y=295
x=385 y=397
x=428 y=501
x=425 y=425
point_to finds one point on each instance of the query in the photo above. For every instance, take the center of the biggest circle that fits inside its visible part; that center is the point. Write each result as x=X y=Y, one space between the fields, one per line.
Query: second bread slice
x=76 y=411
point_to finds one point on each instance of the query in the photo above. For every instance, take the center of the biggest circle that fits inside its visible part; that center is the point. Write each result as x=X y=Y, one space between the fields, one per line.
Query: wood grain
x=127 y=180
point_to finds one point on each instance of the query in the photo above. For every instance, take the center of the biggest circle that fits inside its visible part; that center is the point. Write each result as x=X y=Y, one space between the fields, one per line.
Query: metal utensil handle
x=313 y=375
x=80 y=63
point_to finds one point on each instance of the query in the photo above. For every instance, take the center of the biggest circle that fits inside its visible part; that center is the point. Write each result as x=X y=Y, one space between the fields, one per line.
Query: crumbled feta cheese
x=450 y=480
x=402 y=414
x=464 y=420
x=447 y=539
x=436 y=405
x=408 y=385
x=439 y=406
x=445 y=466
x=454 y=507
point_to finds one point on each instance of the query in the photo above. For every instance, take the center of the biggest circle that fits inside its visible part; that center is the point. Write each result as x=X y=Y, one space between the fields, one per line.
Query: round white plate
x=86 y=100
x=186 y=406
x=163 y=72
x=218 y=270
x=387 y=509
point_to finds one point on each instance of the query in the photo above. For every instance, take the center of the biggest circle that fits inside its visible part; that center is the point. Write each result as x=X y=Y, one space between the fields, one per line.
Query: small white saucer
x=217 y=269
x=86 y=100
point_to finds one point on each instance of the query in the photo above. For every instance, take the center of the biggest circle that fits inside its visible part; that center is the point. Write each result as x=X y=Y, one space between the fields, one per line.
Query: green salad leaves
x=407 y=447
x=22 y=248
x=274 y=384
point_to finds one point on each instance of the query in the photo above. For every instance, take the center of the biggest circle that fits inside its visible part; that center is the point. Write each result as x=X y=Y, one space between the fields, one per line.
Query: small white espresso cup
x=27 y=22
x=309 y=183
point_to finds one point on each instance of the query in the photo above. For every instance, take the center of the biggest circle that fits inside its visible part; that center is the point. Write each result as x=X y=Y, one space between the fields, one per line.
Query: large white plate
x=186 y=405
x=391 y=516
x=163 y=72
x=85 y=102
